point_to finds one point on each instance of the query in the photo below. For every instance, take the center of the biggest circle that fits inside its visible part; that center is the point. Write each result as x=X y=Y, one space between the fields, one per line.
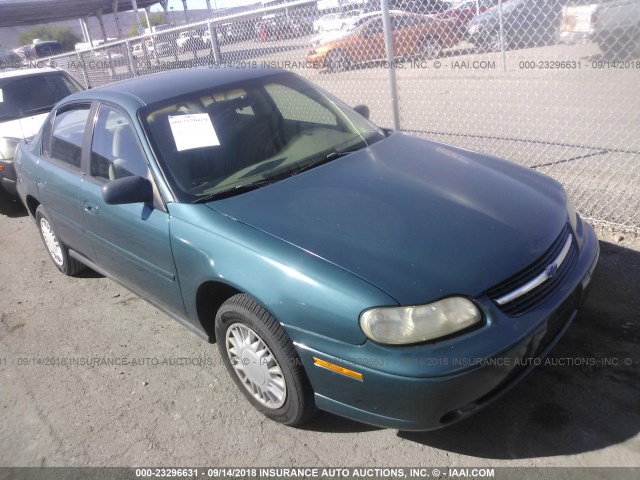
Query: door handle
x=91 y=208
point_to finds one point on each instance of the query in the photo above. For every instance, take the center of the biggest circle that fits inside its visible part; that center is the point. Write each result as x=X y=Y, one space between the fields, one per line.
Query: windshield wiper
x=326 y=159
x=229 y=192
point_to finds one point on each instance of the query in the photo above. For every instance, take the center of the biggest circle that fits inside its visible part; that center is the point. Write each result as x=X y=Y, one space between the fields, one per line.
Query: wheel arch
x=210 y=296
x=32 y=205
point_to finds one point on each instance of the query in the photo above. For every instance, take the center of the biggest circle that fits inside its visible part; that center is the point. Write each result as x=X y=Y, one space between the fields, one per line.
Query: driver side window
x=115 y=152
x=293 y=105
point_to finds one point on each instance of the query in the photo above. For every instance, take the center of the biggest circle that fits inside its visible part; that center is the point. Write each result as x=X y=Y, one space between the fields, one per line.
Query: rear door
x=130 y=242
x=60 y=176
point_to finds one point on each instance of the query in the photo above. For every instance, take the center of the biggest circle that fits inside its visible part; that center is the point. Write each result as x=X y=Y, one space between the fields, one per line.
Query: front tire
x=263 y=362
x=58 y=252
x=337 y=61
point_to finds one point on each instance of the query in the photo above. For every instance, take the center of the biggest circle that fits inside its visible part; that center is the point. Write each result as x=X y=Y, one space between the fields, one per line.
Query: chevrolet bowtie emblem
x=551 y=270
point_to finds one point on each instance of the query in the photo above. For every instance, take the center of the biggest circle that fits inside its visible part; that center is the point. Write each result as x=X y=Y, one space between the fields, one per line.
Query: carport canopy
x=31 y=12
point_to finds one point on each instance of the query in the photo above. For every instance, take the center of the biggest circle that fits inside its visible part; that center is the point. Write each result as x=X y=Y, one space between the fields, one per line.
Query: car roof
x=156 y=87
x=21 y=72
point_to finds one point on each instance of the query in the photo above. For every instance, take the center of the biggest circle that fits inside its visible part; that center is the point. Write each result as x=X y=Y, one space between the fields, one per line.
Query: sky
x=202 y=4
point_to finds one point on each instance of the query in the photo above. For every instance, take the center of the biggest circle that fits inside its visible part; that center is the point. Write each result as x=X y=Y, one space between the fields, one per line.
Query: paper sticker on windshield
x=1 y=97
x=193 y=131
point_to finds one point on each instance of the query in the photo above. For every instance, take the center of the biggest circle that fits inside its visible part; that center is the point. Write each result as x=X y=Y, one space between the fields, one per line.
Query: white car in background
x=334 y=21
x=26 y=98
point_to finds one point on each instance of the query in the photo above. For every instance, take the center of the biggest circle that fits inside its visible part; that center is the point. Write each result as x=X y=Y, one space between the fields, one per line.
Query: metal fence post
x=84 y=70
x=393 y=84
x=215 y=46
x=132 y=65
x=502 y=46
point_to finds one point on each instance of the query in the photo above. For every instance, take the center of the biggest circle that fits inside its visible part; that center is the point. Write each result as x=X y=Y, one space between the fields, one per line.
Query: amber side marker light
x=337 y=368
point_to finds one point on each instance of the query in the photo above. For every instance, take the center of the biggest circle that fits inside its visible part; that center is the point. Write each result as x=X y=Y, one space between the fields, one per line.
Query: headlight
x=8 y=147
x=403 y=325
x=573 y=216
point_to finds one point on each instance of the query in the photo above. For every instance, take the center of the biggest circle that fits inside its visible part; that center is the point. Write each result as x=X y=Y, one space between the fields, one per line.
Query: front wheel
x=263 y=362
x=57 y=250
x=337 y=61
x=494 y=43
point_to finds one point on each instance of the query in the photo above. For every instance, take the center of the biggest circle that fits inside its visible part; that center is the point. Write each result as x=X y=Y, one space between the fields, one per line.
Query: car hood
x=418 y=219
x=22 y=128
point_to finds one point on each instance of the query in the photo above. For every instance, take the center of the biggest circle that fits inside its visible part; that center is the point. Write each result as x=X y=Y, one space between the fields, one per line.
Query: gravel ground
x=577 y=413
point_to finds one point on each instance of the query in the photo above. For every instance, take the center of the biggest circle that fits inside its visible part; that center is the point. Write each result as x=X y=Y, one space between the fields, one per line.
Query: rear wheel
x=263 y=362
x=58 y=252
x=430 y=48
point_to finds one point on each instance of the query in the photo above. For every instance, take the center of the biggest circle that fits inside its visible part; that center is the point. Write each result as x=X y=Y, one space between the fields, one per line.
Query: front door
x=130 y=242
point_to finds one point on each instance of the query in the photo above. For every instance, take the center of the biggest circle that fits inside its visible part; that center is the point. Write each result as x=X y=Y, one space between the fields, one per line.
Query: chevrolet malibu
x=339 y=266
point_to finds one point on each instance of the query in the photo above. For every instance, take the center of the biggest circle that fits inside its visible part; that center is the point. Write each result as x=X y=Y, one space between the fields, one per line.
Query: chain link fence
x=549 y=84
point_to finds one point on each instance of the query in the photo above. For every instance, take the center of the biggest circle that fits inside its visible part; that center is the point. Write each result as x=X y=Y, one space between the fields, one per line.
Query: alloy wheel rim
x=51 y=242
x=256 y=366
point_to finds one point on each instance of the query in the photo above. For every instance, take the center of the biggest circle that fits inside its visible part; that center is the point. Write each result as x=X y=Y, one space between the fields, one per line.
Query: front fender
x=298 y=288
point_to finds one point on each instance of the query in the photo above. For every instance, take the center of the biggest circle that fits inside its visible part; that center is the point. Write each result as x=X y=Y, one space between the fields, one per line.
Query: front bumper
x=315 y=59
x=413 y=388
x=8 y=176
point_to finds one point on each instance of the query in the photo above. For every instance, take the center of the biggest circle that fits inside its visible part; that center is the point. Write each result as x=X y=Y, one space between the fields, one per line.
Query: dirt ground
x=582 y=411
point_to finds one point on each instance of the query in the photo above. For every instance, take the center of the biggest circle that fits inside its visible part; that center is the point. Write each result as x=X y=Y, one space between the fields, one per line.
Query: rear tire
x=58 y=252
x=430 y=48
x=263 y=362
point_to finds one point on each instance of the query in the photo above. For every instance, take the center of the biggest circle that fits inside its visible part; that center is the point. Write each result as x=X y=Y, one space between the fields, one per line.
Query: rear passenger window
x=67 y=135
x=115 y=152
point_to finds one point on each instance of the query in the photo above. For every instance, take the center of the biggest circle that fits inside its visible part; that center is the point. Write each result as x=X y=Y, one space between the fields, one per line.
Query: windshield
x=230 y=139
x=33 y=94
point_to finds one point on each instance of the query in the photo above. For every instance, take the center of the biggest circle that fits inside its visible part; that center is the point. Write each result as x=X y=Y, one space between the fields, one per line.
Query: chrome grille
x=533 y=292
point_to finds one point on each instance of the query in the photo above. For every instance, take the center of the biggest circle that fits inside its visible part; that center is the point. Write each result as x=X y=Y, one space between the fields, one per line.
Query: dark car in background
x=236 y=31
x=26 y=98
x=263 y=213
x=44 y=49
x=465 y=11
x=526 y=23
x=9 y=58
x=279 y=27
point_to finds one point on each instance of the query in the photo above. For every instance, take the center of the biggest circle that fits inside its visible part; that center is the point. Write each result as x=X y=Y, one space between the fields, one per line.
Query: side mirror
x=362 y=110
x=128 y=190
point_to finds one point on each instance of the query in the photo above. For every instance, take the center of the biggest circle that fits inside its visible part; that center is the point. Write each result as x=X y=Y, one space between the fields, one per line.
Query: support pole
x=502 y=46
x=186 y=16
x=215 y=46
x=393 y=84
x=101 y=22
x=134 y=5
x=117 y=18
x=106 y=39
x=85 y=26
